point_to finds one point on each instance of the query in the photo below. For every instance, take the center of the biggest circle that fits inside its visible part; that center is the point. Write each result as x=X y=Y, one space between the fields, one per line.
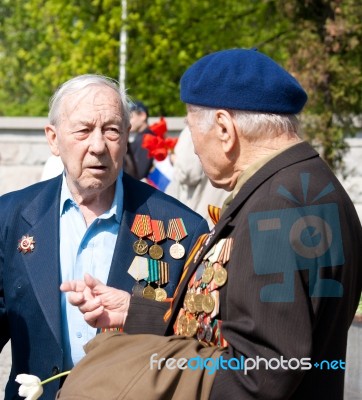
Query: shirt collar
x=67 y=201
x=248 y=173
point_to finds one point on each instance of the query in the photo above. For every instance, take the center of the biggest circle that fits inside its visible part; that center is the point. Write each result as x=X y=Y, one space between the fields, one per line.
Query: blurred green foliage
x=45 y=42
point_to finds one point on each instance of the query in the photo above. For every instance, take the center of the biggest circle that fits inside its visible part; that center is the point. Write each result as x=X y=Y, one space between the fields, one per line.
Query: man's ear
x=226 y=130
x=52 y=138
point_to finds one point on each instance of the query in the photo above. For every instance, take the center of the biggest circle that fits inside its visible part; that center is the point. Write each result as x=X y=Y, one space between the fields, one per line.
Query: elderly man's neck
x=94 y=203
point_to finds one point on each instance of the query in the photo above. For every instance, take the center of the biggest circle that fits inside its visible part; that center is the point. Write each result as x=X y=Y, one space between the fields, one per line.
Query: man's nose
x=97 y=143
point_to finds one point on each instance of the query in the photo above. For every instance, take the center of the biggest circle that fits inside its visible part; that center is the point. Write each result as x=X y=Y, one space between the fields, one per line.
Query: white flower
x=30 y=386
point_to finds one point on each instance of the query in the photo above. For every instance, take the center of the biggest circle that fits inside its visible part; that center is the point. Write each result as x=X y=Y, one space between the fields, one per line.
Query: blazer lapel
x=43 y=265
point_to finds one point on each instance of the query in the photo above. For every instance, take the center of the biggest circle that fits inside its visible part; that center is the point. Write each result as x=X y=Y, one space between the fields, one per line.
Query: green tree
x=324 y=50
x=45 y=42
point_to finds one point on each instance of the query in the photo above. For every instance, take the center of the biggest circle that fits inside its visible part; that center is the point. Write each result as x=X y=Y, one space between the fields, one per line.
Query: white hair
x=253 y=125
x=80 y=82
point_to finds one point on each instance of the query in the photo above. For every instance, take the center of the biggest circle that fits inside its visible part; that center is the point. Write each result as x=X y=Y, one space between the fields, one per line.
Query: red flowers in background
x=158 y=145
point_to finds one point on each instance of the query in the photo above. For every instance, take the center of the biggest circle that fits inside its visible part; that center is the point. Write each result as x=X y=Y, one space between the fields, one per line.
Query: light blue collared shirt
x=84 y=250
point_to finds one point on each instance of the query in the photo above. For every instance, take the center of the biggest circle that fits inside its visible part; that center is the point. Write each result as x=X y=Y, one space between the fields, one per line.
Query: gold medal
x=220 y=276
x=198 y=302
x=208 y=303
x=156 y=251
x=140 y=247
x=207 y=274
x=182 y=324
x=149 y=292
x=190 y=303
x=177 y=251
x=141 y=227
x=192 y=326
x=160 y=294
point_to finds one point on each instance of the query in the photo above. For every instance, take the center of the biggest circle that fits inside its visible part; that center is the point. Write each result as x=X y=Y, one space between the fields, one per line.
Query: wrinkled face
x=207 y=147
x=90 y=139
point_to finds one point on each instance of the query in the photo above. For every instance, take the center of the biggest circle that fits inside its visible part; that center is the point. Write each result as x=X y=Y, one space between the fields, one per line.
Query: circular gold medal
x=192 y=326
x=182 y=324
x=177 y=251
x=220 y=276
x=207 y=275
x=140 y=247
x=160 y=294
x=208 y=303
x=149 y=292
x=198 y=302
x=156 y=251
x=190 y=303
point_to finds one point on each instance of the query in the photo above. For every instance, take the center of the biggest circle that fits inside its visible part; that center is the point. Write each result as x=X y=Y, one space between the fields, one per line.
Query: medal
x=198 y=302
x=177 y=251
x=160 y=294
x=208 y=303
x=26 y=244
x=207 y=274
x=139 y=268
x=156 y=251
x=149 y=292
x=182 y=324
x=208 y=333
x=137 y=290
x=201 y=331
x=140 y=247
x=158 y=234
x=220 y=276
x=141 y=227
x=192 y=326
x=176 y=231
x=163 y=274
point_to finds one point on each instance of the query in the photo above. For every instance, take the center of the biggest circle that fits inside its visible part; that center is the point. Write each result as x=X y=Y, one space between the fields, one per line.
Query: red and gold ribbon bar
x=141 y=226
x=176 y=229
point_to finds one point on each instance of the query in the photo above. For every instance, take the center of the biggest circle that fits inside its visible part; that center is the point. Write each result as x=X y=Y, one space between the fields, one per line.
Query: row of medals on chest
x=155 y=251
x=201 y=302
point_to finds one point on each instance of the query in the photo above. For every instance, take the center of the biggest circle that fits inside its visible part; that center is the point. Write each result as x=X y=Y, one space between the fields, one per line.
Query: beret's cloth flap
x=241 y=79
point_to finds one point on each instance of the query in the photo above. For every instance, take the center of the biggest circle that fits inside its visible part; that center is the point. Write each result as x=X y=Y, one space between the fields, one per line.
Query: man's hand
x=101 y=305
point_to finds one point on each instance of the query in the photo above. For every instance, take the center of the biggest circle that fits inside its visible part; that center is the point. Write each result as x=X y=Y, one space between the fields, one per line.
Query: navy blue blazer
x=30 y=313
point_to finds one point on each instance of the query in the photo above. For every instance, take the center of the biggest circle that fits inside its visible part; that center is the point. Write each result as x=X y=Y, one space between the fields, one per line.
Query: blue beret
x=241 y=79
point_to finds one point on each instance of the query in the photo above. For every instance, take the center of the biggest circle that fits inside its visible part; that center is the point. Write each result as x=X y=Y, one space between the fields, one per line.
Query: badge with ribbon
x=176 y=231
x=141 y=227
x=158 y=234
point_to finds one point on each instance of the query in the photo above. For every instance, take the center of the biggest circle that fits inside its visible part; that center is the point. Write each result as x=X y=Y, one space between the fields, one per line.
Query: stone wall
x=24 y=151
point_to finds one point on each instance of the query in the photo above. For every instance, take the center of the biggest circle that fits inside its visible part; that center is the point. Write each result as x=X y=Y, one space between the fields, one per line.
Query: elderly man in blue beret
x=265 y=301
